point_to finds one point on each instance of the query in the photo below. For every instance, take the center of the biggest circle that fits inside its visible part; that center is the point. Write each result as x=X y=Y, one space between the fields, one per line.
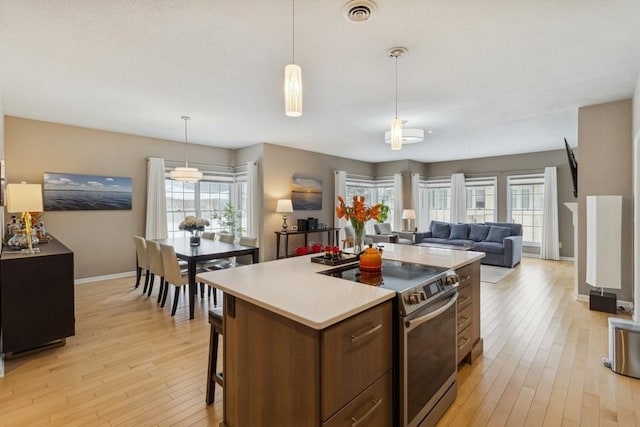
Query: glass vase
x=358 y=237
x=194 y=240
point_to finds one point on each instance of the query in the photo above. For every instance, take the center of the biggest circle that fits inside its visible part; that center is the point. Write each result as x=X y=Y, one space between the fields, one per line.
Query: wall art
x=71 y=192
x=306 y=193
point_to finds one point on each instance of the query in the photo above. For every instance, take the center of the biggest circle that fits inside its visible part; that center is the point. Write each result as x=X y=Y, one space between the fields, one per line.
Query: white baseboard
x=530 y=255
x=105 y=277
x=567 y=258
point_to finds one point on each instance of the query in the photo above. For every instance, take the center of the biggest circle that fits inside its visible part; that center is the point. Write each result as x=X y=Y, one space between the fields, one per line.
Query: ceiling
x=489 y=77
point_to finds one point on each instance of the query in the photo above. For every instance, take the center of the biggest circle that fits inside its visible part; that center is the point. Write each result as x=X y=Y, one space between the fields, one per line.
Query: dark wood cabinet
x=36 y=298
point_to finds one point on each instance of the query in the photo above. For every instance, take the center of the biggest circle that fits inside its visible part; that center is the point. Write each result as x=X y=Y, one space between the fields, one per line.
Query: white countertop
x=292 y=288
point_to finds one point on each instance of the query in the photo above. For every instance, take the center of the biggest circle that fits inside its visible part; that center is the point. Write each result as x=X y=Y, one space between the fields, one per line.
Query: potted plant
x=229 y=219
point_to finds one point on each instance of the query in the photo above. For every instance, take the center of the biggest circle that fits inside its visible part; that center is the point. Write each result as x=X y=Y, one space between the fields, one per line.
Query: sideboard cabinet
x=36 y=298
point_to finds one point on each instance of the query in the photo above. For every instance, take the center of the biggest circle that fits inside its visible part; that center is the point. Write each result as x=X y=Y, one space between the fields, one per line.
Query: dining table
x=208 y=249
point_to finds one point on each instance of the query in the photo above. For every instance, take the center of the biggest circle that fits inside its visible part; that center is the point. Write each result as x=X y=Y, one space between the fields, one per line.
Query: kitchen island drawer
x=354 y=353
x=465 y=275
x=371 y=408
x=464 y=343
x=465 y=318
x=465 y=297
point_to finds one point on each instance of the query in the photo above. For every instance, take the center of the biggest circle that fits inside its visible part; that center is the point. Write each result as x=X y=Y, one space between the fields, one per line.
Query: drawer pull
x=462 y=320
x=356 y=422
x=465 y=279
x=463 y=301
x=466 y=340
x=356 y=338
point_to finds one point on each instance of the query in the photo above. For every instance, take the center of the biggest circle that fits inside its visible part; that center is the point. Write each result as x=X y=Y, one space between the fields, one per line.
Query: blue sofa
x=500 y=241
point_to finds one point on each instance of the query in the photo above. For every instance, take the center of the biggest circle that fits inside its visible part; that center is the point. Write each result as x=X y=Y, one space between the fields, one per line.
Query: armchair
x=383 y=233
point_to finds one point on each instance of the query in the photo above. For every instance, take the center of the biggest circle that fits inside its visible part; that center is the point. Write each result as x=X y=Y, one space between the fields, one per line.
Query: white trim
x=567 y=258
x=105 y=277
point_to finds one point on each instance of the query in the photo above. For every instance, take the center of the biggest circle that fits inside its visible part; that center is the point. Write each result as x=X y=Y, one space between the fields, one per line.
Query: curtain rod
x=491 y=173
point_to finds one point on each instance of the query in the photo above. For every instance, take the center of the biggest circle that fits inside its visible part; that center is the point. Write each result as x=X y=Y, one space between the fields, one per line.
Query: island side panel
x=469 y=287
x=271 y=368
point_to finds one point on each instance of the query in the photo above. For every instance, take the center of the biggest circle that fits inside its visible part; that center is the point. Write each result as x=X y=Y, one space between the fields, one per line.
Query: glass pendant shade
x=186 y=174
x=293 y=90
x=396 y=134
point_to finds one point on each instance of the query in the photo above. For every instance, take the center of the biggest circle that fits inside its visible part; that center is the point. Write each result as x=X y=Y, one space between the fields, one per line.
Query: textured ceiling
x=489 y=77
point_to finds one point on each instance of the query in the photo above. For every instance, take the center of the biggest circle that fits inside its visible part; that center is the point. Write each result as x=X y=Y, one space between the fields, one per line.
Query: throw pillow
x=478 y=232
x=459 y=231
x=440 y=230
x=497 y=234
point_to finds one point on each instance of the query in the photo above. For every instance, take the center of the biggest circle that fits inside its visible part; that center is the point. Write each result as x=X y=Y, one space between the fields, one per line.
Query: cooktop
x=397 y=276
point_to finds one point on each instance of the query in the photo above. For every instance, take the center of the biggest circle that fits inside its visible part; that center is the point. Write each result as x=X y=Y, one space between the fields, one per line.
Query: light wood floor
x=131 y=363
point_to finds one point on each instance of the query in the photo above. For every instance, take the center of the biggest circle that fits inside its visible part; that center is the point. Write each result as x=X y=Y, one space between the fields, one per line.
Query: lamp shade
x=186 y=174
x=24 y=197
x=284 y=206
x=293 y=90
x=408 y=214
x=396 y=134
x=604 y=241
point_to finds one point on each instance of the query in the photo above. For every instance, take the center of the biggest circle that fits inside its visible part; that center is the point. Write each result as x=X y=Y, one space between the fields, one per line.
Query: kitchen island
x=302 y=348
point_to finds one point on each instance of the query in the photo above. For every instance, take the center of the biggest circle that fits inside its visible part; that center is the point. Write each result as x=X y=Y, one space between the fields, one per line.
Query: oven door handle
x=410 y=324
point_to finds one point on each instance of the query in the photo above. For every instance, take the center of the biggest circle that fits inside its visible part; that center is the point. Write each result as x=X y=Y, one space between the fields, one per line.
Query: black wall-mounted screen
x=573 y=165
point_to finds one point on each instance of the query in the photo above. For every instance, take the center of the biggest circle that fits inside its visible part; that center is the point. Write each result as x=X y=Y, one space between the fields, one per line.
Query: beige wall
x=504 y=166
x=101 y=240
x=279 y=165
x=605 y=168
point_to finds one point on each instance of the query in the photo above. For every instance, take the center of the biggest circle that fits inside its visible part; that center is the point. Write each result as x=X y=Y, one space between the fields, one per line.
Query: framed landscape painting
x=71 y=192
x=306 y=194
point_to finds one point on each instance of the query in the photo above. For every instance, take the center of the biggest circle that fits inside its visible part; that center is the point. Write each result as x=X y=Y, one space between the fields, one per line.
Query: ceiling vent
x=359 y=10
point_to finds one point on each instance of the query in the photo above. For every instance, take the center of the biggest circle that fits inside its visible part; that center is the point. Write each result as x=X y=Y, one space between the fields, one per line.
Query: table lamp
x=25 y=198
x=284 y=206
x=410 y=216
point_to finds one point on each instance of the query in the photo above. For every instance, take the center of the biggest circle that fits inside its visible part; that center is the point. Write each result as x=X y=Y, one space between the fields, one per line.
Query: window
x=435 y=200
x=481 y=199
x=203 y=198
x=526 y=206
x=374 y=191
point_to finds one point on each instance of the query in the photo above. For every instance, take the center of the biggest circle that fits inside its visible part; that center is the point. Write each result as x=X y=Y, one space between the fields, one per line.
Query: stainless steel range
x=425 y=338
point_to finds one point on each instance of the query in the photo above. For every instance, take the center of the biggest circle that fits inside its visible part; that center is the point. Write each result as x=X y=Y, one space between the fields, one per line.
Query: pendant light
x=396 y=123
x=186 y=174
x=293 y=76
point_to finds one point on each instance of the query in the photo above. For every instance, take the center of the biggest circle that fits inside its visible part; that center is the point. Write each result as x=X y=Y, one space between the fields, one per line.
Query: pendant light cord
x=186 y=155
x=396 y=86
x=293 y=31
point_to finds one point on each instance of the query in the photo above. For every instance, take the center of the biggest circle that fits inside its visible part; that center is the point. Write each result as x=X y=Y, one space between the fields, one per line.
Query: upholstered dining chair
x=349 y=233
x=227 y=237
x=156 y=267
x=142 y=262
x=172 y=275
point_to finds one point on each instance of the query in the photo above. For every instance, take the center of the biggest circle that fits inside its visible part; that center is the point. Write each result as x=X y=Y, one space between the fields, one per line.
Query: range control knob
x=414 y=298
x=423 y=296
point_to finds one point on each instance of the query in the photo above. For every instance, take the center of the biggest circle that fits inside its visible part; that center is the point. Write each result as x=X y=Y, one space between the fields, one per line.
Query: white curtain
x=415 y=198
x=156 y=225
x=458 y=198
x=253 y=201
x=397 y=202
x=549 y=248
x=340 y=189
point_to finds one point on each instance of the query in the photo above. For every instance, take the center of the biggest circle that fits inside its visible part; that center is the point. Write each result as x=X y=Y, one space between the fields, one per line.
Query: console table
x=286 y=234
x=36 y=298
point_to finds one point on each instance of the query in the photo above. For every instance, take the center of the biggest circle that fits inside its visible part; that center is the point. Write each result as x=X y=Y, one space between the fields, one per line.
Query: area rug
x=493 y=274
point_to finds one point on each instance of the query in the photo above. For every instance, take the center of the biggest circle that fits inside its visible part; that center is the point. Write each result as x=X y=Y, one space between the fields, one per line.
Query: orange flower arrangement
x=359 y=213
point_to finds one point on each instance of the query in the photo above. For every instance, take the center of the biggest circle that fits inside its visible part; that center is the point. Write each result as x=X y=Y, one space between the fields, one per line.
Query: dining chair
x=156 y=267
x=227 y=237
x=172 y=275
x=142 y=262
x=211 y=235
x=349 y=235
